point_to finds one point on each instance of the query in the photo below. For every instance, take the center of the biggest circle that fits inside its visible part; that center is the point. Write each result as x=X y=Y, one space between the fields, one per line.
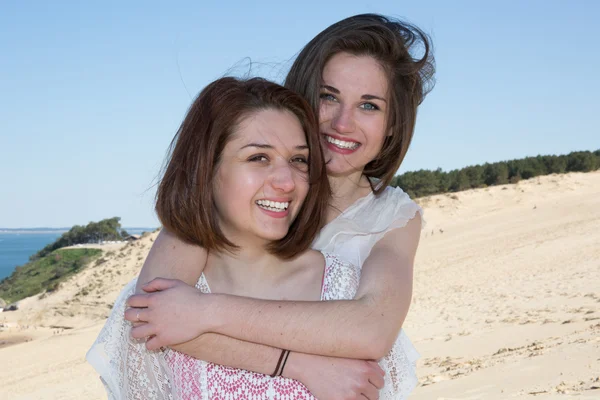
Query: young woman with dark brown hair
x=248 y=163
x=363 y=78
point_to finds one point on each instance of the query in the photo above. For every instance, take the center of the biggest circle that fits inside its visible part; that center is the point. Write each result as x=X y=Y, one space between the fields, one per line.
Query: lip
x=339 y=150
x=277 y=199
x=276 y=214
x=343 y=138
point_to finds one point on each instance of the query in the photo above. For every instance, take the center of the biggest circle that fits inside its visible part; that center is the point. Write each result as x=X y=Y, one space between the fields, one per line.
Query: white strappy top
x=351 y=236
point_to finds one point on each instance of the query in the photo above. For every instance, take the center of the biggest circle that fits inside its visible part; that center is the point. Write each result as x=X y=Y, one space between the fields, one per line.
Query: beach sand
x=506 y=301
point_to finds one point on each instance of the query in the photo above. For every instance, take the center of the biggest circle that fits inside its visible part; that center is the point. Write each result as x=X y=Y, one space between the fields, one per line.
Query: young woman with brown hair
x=246 y=181
x=362 y=77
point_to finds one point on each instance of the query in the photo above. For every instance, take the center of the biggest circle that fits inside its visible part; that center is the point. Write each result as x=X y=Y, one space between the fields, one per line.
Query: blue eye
x=327 y=97
x=370 y=107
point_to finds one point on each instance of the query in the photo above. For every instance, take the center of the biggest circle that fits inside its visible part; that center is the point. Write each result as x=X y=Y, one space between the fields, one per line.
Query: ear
x=390 y=132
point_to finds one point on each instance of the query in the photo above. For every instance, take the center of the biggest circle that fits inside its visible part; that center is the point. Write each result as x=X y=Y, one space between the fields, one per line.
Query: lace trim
x=126 y=368
x=129 y=371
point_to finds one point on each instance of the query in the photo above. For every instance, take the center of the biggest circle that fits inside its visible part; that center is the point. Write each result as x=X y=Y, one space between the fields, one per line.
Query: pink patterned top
x=129 y=371
x=196 y=379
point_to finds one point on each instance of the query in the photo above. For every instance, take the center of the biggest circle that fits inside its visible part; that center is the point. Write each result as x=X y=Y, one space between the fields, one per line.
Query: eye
x=369 y=107
x=258 y=158
x=300 y=162
x=300 y=159
x=327 y=97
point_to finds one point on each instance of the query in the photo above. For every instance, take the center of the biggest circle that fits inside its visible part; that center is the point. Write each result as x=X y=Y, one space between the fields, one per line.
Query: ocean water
x=16 y=248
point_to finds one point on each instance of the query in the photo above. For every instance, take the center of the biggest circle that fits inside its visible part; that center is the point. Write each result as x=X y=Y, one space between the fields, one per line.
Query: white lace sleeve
x=341 y=279
x=341 y=282
x=126 y=368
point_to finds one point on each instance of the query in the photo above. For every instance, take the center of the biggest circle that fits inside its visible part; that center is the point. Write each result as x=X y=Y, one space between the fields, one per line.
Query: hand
x=167 y=313
x=330 y=378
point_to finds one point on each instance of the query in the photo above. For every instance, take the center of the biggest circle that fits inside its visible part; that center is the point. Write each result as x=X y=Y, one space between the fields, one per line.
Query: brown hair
x=184 y=201
x=391 y=43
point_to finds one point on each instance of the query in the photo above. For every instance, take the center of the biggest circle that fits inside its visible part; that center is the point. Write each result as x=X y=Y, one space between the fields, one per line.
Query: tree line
x=94 y=232
x=425 y=182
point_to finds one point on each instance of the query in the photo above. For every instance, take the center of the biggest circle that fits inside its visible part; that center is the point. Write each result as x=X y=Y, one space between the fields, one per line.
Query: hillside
x=505 y=304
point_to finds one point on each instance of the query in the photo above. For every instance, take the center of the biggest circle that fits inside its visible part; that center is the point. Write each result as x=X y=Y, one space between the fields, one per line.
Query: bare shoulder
x=309 y=263
x=403 y=238
x=172 y=258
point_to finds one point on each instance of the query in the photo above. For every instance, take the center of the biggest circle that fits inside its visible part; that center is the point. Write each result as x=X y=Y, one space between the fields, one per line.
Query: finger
x=143 y=331
x=377 y=381
x=157 y=284
x=376 y=375
x=376 y=365
x=154 y=343
x=136 y=315
x=371 y=393
x=139 y=300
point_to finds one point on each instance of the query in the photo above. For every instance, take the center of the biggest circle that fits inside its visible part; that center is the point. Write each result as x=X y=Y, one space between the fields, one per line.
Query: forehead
x=278 y=128
x=361 y=74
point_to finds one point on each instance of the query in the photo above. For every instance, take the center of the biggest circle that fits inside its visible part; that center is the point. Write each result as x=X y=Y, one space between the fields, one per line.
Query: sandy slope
x=507 y=298
x=506 y=302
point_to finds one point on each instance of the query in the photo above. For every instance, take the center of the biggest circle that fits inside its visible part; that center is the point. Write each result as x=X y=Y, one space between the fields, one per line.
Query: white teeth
x=273 y=205
x=342 y=144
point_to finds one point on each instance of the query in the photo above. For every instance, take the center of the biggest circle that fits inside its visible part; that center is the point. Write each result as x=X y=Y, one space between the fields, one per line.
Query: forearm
x=342 y=328
x=315 y=372
x=235 y=353
x=363 y=328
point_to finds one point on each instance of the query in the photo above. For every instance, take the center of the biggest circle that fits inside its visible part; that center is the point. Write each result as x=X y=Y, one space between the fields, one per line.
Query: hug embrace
x=285 y=264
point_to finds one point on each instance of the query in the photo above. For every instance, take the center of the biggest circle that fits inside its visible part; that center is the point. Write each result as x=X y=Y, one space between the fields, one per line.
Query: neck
x=346 y=190
x=249 y=264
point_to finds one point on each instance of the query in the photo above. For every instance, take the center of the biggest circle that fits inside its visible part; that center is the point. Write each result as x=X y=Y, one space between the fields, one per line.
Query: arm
x=172 y=258
x=363 y=328
x=345 y=378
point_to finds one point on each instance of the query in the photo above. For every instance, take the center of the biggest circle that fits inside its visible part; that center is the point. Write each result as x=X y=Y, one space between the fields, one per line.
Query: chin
x=273 y=235
x=340 y=168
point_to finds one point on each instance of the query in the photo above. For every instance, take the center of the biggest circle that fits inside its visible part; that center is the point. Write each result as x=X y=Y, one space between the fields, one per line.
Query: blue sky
x=91 y=94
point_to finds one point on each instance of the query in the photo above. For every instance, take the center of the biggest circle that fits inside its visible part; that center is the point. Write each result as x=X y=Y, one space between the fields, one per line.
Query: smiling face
x=353 y=112
x=261 y=181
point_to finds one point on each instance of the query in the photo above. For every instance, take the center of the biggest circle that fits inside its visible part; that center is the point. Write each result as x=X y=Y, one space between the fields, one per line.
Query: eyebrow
x=268 y=146
x=364 y=96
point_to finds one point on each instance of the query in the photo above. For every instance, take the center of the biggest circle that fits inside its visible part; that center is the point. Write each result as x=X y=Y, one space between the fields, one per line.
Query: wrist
x=214 y=312
x=294 y=366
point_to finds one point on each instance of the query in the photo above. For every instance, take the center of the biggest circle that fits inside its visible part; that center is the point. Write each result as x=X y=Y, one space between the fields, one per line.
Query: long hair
x=185 y=199
x=393 y=44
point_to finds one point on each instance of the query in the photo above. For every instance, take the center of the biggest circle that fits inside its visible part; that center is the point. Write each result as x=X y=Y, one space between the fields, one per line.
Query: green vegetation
x=425 y=183
x=45 y=274
x=52 y=265
x=94 y=232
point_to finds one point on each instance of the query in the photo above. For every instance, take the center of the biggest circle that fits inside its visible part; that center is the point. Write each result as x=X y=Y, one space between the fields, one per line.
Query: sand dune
x=506 y=302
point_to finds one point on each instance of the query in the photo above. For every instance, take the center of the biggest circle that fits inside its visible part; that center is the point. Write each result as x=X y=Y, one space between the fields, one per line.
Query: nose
x=282 y=179
x=343 y=120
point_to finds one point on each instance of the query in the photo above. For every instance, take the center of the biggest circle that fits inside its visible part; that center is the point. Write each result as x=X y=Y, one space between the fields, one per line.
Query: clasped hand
x=166 y=313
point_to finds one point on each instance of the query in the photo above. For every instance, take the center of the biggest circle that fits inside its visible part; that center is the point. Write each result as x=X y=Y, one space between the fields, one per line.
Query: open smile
x=276 y=206
x=341 y=146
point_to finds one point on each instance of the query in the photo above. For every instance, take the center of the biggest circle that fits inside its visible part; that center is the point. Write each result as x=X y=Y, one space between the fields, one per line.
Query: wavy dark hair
x=185 y=197
x=394 y=44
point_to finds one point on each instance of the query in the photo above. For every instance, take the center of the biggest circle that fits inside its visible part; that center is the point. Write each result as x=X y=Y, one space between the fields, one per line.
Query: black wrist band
x=274 y=374
x=287 y=354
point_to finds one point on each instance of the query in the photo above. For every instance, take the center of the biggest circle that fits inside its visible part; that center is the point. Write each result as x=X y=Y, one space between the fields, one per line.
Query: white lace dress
x=351 y=236
x=129 y=371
